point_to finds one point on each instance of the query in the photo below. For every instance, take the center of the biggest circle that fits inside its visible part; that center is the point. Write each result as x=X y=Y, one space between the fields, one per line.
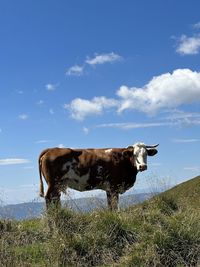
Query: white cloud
x=186 y=140
x=97 y=59
x=75 y=70
x=177 y=114
x=164 y=91
x=184 y=119
x=103 y=58
x=86 y=130
x=23 y=116
x=61 y=146
x=51 y=111
x=133 y=125
x=43 y=141
x=81 y=108
x=189 y=45
x=176 y=118
x=192 y=168
x=196 y=25
x=12 y=161
x=51 y=87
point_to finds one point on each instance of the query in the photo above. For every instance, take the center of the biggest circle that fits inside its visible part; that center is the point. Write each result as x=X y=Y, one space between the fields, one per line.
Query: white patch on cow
x=108 y=150
x=76 y=182
x=73 y=180
x=68 y=165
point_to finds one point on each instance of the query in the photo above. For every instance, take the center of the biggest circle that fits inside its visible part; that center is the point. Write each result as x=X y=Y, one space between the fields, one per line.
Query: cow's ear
x=152 y=151
x=127 y=153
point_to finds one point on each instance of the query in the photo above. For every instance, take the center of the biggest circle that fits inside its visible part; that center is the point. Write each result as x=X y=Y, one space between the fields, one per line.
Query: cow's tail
x=40 y=173
x=41 y=181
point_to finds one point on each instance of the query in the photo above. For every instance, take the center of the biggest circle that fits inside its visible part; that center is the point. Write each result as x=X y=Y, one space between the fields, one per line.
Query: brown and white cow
x=111 y=169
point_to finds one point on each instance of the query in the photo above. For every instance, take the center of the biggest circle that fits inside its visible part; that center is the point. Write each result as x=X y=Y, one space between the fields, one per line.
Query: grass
x=187 y=192
x=163 y=231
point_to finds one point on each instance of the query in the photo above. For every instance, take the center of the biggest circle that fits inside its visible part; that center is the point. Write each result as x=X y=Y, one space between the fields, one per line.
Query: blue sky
x=98 y=74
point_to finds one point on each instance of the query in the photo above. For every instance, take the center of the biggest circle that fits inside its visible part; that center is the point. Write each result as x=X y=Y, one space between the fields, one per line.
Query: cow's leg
x=52 y=196
x=48 y=197
x=112 y=199
x=56 y=199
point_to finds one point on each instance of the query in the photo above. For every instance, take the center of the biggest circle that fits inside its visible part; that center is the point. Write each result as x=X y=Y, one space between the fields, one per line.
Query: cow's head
x=140 y=152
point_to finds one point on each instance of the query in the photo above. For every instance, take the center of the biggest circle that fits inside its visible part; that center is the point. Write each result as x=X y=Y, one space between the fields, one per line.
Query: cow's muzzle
x=142 y=167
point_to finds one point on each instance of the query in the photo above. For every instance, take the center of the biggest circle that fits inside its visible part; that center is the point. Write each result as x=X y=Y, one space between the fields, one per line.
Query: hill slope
x=187 y=193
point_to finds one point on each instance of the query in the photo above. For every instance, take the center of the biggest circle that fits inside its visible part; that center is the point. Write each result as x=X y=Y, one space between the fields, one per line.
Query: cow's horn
x=152 y=146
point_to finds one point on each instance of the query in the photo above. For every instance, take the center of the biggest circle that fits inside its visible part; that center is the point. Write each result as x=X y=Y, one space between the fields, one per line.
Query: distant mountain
x=35 y=209
x=21 y=211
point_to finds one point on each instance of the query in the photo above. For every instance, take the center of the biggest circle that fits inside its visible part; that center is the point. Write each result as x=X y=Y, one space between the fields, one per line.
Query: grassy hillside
x=159 y=232
x=186 y=193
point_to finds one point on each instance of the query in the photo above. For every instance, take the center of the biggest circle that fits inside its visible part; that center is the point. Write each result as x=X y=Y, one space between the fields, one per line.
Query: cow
x=113 y=170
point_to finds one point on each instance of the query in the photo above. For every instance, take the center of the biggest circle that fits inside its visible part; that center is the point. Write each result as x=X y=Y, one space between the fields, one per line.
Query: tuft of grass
x=88 y=239
x=165 y=238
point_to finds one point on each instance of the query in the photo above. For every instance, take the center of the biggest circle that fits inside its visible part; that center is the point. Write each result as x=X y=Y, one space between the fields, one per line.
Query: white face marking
x=75 y=181
x=140 y=154
x=108 y=150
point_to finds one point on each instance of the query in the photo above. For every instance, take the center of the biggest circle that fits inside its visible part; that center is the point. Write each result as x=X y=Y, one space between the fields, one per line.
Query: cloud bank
x=166 y=91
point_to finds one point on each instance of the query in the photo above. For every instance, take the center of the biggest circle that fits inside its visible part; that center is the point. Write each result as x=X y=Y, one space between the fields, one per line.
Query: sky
x=86 y=74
